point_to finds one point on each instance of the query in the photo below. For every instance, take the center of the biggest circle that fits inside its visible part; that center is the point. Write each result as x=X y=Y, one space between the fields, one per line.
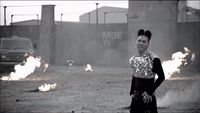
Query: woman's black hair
x=146 y=33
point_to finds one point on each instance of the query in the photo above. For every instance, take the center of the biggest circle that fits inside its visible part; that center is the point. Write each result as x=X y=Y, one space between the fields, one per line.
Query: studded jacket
x=144 y=68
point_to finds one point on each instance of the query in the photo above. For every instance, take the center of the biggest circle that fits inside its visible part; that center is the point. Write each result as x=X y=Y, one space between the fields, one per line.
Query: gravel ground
x=105 y=90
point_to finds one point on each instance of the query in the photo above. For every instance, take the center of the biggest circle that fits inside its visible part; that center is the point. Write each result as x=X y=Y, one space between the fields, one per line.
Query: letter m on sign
x=106 y=35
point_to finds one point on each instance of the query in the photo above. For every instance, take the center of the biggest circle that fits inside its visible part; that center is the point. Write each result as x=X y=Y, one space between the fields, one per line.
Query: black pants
x=138 y=105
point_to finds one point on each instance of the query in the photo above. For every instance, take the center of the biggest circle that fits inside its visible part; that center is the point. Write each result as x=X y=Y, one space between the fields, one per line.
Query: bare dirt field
x=105 y=90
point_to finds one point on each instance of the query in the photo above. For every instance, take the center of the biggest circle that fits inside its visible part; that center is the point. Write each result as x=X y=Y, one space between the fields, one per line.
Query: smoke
x=108 y=57
x=111 y=57
x=188 y=94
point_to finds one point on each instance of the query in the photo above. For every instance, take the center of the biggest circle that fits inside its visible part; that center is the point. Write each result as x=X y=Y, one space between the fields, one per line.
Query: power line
x=24 y=14
x=72 y=13
x=21 y=6
x=91 y=3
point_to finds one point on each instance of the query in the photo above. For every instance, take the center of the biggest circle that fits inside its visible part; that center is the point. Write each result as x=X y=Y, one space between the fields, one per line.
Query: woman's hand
x=146 y=97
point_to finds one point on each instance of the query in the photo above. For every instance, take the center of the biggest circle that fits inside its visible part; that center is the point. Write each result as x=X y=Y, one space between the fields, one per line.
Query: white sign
x=108 y=36
x=112 y=35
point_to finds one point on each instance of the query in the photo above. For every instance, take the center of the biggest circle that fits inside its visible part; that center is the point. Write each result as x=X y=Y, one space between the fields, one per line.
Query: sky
x=71 y=10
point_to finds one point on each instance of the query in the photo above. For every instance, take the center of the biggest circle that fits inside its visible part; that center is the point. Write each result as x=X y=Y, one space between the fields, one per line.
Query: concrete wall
x=91 y=43
x=47 y=34
x=189 y=36
x=186 y=13
x=29 y=31
x=160 y=17
x=100 y=44
x=84 y=43
x=103 y=44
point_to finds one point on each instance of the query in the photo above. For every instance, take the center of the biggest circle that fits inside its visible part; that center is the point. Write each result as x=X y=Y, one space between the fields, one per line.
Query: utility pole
x=61 y=15
x=37 y=19
x=5 y=15
x=186 y=15
x=105 y=17
x=11 y=20
x=89 y=17
x=127 y=18
x=97 y=13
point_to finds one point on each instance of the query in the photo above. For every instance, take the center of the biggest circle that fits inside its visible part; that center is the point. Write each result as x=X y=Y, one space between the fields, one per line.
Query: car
x=13 y=51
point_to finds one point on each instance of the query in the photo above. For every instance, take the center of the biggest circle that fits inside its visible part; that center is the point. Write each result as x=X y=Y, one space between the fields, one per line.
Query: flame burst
x=47 y=87
x=172 y=66
x=193 y=57
x=70 y=62
x=88 y=68
x=46 y=65
x=23 y=70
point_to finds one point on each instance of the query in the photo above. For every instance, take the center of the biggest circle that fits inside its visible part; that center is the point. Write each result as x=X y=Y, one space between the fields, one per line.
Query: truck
x=13 y=51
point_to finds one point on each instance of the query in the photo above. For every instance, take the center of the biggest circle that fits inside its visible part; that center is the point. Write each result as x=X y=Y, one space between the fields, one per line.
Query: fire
x=193 y=57
x=47 y=87
x=172 y=66
x=25 y=69
x=70 y=62
x=46 y=65
x=88 y=68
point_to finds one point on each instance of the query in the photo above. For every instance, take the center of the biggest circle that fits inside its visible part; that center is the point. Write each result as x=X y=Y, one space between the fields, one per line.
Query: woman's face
x=142 y=43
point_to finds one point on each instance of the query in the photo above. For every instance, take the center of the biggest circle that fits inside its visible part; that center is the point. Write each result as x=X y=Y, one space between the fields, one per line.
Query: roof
x=37 y=22
x=27 y=22
x=108 y=9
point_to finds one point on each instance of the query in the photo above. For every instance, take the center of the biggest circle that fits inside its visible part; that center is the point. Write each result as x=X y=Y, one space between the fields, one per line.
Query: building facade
x=105 y=15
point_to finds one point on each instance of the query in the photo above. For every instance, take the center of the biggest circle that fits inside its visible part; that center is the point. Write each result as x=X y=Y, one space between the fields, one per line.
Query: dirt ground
x=105 y=90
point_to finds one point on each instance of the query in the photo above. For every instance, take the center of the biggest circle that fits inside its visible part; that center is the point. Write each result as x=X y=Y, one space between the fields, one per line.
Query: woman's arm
x=132 y=86
x=157 y=68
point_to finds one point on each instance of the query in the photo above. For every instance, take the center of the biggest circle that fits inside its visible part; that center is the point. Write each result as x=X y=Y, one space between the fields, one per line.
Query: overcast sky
x=71 y=9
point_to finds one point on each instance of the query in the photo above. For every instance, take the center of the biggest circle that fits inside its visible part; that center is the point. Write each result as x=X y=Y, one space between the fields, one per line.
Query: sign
x=110 y=36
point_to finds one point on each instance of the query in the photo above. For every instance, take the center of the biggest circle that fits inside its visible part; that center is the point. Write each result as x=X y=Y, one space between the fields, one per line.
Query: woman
x=145 y=65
